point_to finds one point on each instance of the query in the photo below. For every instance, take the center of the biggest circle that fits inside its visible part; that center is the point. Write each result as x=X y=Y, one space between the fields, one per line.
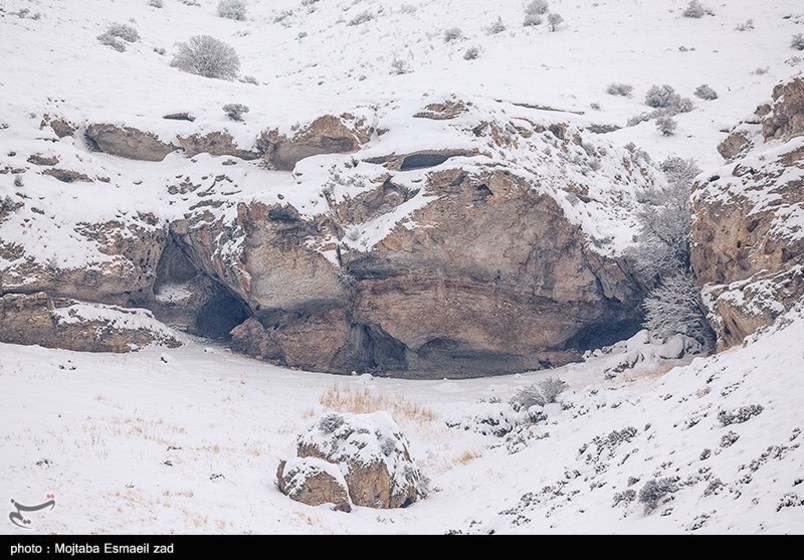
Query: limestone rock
x=379 y=472
x=325 y=135
x=128 y=142
x=72 y=325
x=734 y=144
x=786 y=117
x=215 y=144
x=314 y=482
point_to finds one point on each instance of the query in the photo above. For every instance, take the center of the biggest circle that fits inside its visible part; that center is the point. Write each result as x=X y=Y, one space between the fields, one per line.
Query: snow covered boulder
x=127 y=142
x=313 y=482
x=72 y=325
x=372 y=453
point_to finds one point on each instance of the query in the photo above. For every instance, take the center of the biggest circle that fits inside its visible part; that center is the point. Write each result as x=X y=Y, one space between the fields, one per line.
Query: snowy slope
x=136 y=443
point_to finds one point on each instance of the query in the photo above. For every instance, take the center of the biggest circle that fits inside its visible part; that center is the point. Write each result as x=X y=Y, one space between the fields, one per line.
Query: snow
x=129 y=443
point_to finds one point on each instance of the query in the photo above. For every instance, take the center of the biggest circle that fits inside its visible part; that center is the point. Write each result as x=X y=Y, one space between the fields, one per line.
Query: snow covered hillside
x=432 y=190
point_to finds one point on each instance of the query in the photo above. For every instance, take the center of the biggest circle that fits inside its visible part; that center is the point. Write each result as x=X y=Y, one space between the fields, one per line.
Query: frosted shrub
x=705 y=92
x=541 y=393
x=235 y=111
x=471 y=53
x=655 y=490
x=361 y=18
x=452 y=34
x=747 y=26
x=797 y=42
x=399 y=67
x=554 y=20
x=156 y=3
x=116 y=34
x=532 y=20
x=18 y=182
x=208 y=57
x=695 y=10
x=740 y=415
x=496 y=27
x=537 y=7
x=330 y=422
x=624 y=90
x=232 y=9
x=666 y=125
x=660 y=96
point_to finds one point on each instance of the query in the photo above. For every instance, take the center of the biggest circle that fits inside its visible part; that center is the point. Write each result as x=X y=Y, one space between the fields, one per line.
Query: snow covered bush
x=660 y=96
x=532 y=20
x=740 y=415
x=496 y=27
x=696 y=10
x=208 y=57
x=156 y=3
x=705 y=92
x=235 y=111
x=616 y=88
x=747 y=26
x=666 y=125
x=361 y=18
x=232 y=9
x=541 y=393
x=554 y=20
x=116 y=34
x=655 y=490
x=18 y=182
x=399 y=66
x=537 y=7
x=797 y=42
x=452 y=34
x=471 y=53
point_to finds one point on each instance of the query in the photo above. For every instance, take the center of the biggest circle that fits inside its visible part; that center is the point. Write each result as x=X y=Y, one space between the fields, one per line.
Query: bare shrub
x=666 y=125
x=696 y=10
x=739 y=415
x=232 y=9
x=537 y=7
x=554 y=20
x=532 y=20
x=496 y=27
x=615 y=88
x=361 y=18
x=471 y=53
x=156 y=3
x=797 y=42
x=235 y=111
x=208 y=57
x=655 y=490
x=452 y=34
x=543 y=392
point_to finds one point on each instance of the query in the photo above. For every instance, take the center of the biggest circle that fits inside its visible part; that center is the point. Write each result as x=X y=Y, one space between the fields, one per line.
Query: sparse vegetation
x=797 y=42
x=496 y=27
x=208 y=57
x=452 y=34
x=531 y=20
x=156 y=3
x=655 y=490
x=235 y=111
x=554 y=20
x=361 y=18
x=541 y=393
x=666 y=125
x=705 y=92
x=696 y=10
x=747 y=26
x=117 y=35
x=400 y=66
x=359 y=401
x=537 y=7
x=471 y=53
x=739 y=415
x=232 y=9
x=660 y=97
x=624 y=90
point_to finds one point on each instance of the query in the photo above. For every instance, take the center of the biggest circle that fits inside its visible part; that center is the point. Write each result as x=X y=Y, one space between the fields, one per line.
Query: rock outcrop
x=371 y=452
x=314 y=482
x=747 y=237
x=72 y=325
x=326 y=135
x=215 y=144
x=128 y=142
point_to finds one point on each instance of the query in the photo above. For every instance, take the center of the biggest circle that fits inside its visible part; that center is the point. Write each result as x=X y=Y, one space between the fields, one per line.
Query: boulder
x=314 y=482
x=127 y=142
x=72 y=325
x=734 y=144
x=373 y=454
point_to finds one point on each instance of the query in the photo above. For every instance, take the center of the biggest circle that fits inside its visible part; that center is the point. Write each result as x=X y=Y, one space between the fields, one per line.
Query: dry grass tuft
x=361 y=401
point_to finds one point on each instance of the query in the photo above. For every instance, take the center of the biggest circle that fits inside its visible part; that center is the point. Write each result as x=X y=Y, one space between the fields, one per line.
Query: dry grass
x=467 y=457
x=361 y=401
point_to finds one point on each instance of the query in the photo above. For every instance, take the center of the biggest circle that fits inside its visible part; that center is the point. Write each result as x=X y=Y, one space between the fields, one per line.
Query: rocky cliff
x=443 y=238
x=748 y=229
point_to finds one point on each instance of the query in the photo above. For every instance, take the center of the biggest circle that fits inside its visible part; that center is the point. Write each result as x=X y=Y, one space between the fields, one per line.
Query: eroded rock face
x=215 y=144
x=325 y=135
x=786 y=117
x=128 y=142
x=372 y=451
x=734 y=144
x=747 y=241
x=313 y=482
x=72 y=325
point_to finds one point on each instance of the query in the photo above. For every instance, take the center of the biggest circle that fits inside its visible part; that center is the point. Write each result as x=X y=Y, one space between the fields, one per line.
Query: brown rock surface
x=128 y=142
x=313 y=482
